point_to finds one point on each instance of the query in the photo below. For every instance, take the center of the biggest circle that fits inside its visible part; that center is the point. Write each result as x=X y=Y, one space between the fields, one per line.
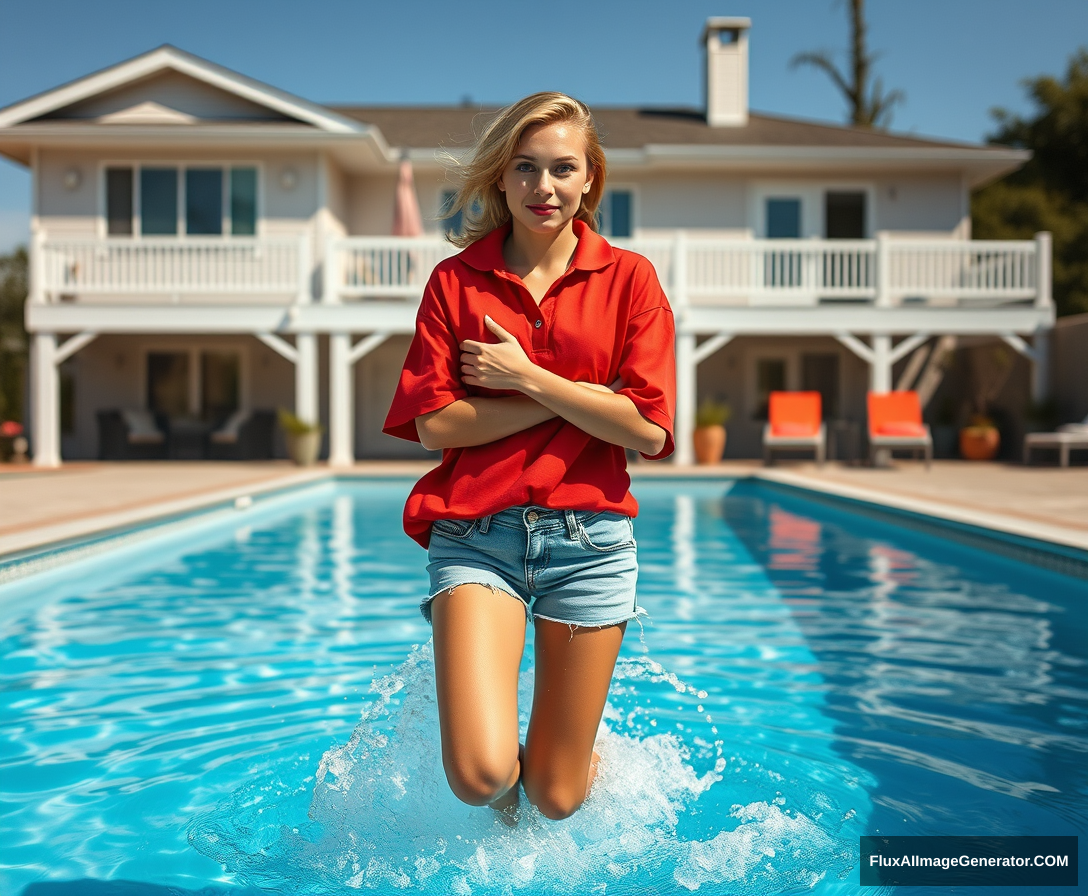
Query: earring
x=585 y=189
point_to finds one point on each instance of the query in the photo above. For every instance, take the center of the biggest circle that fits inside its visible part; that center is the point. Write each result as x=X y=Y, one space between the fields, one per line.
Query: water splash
x=378 y=815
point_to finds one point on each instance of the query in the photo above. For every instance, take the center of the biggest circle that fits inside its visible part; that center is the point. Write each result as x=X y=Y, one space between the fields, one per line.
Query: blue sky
x=954 y=59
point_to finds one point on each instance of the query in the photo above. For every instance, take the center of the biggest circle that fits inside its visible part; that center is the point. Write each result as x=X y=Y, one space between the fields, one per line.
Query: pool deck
x=40 y=507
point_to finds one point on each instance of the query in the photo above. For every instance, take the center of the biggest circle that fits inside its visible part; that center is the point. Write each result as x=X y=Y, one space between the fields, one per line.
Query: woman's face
x=545 y=180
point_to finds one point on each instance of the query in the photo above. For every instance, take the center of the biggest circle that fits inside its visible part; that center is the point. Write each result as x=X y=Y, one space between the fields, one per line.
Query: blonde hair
x=480 y=201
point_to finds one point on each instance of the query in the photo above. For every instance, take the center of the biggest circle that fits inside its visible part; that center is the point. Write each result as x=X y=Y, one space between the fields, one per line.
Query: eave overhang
x=978 y=165
x=364 y=149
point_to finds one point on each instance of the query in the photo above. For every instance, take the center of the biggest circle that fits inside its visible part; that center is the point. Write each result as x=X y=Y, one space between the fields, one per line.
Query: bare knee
x=556 y=803
x=479 y=780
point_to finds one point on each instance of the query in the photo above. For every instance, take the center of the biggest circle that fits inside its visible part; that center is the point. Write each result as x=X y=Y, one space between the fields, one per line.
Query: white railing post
x=38 y=283
x=330 y=269
x=883 y=270
x=305 y=270
x=679 y=297
x=1043 y=298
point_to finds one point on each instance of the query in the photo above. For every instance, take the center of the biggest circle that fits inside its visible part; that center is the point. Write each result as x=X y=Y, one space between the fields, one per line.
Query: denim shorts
x=572 y=566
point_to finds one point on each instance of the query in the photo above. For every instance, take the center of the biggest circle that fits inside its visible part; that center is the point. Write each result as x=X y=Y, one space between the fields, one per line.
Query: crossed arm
x=593 y=408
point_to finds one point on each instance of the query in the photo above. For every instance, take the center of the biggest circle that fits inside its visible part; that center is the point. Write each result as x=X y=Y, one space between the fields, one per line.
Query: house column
x=341 y=409
x=306 y=378
x=684 y=425
x=343 y=357
x=880 y=371
x=44 y=400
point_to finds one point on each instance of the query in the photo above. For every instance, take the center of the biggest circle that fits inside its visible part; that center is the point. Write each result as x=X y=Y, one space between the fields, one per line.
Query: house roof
x=680 y=137
x=633 y=127
x=169 y=58
x=368 y=137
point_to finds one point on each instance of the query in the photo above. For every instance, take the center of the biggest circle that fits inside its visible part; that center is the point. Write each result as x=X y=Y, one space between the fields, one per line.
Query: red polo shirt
x=606 y=317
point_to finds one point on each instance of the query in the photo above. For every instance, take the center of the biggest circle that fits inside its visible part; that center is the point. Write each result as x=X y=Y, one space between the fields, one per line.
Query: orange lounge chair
x=794 y=421
x=895 y=421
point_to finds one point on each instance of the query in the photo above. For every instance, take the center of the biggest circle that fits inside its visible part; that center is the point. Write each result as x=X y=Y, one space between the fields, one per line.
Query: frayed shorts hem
x=637 y=616
x=425 y=604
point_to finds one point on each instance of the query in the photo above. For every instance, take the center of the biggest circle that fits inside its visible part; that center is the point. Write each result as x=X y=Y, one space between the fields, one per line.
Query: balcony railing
x=739 y=272
x=694 y=270
x=174 y=270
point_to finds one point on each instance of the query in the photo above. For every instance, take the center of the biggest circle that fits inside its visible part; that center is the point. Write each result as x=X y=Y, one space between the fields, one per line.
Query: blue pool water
x=246 y=705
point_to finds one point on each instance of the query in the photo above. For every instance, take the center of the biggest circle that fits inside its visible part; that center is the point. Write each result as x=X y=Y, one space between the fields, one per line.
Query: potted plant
x=303 y=438
x=980 y=439
x=990 y=369
x=709 y=435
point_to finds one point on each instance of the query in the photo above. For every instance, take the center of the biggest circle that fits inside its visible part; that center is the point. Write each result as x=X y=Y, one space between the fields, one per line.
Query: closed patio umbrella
x=407 y=218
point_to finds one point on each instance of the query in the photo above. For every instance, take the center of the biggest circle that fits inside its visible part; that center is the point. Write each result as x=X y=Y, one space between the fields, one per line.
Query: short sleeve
x=648 y=363
x=431 y=376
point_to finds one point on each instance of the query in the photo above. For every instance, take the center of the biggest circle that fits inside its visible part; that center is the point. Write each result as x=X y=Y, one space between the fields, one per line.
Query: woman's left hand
x=495 y=365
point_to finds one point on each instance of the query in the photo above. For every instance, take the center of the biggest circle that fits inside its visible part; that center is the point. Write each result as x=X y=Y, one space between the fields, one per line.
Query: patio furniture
x=1068 y=437
x=244 y=435
x=131 y=435
x=188 y=439
x=895 y=422
x=795 y=422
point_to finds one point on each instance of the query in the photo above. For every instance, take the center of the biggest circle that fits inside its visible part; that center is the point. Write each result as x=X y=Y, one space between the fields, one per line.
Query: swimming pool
x=247 y=703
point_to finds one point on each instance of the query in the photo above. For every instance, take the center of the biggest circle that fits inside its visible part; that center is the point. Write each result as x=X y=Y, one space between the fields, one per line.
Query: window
x=243 y=201
x=783 y=219
x=159 y=201
x=188 y=382
x=119 y=201
x=212 y=200
x=844 y=216
x=219 y=385
x=454 y=224
x=204 y=201
x=770 y=377
x=615 y=214
x=168 y=383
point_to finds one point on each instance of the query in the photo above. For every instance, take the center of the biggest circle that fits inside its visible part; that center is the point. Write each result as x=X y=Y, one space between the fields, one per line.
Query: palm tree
x=870 y=106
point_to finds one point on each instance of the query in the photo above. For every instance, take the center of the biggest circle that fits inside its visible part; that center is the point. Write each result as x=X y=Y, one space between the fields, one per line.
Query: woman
x=540 y=354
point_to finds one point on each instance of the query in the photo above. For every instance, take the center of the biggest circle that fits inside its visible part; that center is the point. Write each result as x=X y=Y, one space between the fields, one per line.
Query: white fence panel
x=387 y=267
x=780 y=272
x=171 y=267
x=973 y=270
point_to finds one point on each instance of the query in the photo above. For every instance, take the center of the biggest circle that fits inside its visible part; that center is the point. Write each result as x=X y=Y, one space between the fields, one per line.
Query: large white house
x=203 y=243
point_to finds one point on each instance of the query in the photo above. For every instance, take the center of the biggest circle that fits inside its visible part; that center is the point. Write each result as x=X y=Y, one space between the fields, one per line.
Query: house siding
x=932 y=206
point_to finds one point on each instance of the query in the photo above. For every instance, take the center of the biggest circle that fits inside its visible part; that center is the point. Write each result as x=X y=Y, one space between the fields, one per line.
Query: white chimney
x=726 y=42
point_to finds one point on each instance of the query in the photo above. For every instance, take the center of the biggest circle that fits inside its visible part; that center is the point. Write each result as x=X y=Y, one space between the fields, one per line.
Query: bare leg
x=573 y=672
x=479 y=636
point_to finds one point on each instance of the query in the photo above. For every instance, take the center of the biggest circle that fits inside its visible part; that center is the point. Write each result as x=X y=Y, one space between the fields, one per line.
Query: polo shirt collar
x=593 y=252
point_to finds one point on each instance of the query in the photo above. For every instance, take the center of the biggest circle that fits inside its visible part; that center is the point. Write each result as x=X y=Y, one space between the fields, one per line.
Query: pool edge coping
x=1003 y=524
x=67 y=542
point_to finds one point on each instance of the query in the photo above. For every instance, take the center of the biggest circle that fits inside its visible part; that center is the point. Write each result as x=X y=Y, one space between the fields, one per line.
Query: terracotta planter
x=979 y=442
x=709 y=444
x=303 y=447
